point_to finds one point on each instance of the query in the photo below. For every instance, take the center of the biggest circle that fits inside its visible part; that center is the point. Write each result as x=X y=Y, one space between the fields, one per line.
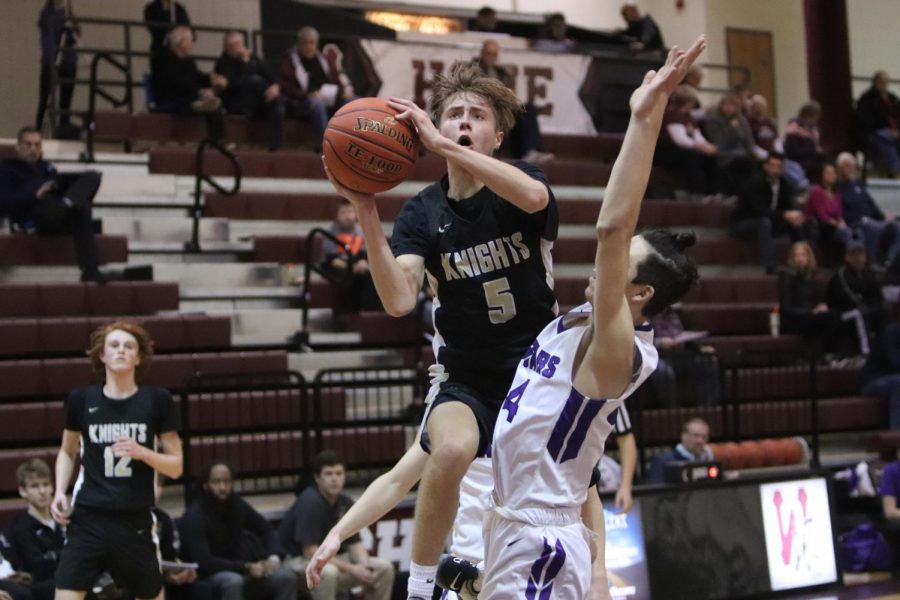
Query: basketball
x=366 y=149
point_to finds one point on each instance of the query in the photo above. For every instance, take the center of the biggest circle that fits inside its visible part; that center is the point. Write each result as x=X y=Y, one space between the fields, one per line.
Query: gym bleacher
x=267 y=372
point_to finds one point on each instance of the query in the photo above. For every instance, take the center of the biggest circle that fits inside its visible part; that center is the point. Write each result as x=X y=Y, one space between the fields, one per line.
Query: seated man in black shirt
x=316 y=510
x=642 y=32
x=251 y=89
x=36 y=197
x=161 y=16
x=35 y=537
x=180 y=583
x=234 y=545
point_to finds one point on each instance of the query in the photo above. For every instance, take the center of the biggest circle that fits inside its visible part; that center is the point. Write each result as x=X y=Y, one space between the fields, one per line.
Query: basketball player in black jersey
x=482 y=236
x=116 y=424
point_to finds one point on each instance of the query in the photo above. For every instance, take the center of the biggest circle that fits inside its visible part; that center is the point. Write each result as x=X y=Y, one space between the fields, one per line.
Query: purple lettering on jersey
x=544 y=571
x=540 y=361
x=551 y=367
x=511 y=403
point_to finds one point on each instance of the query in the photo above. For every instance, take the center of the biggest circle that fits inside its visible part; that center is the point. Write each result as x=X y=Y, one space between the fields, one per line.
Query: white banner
x=549 y=81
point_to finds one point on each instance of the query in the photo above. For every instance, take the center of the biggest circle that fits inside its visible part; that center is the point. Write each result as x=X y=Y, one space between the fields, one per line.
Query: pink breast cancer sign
x=799 y=540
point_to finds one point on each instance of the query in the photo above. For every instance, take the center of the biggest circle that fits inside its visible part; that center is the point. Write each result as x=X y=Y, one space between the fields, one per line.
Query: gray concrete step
x=310 y=363
x=224 y=277
x=154 y=228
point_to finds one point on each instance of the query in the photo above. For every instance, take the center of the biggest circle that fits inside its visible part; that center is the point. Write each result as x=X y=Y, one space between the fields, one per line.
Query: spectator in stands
x=880 y=376
x=693 y=448
x=346 y=263
x=766 y=209
x=878 y=121
x=58 y=32
x=36 y=197
x=683 y=357
x=161 y=16
x=180 y=88
x=485 y=20
x=801 y=308
x=14 y=585
x=315 y=511
x=235 y=547
x=823 y=208
x=251 y=87
x=860 y=211
x=314 y=82
x=728 y=130
x=180 y=584
x=801 y=142
x=682 y=147
x=854 y=290
x=765 y=136
x=525 y=139
x=642 y=32
x=553 y=35
x=36 y=538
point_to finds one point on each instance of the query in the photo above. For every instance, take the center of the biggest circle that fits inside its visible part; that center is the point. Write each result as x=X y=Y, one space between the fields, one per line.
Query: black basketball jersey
x=489 y=264
x=106 y=481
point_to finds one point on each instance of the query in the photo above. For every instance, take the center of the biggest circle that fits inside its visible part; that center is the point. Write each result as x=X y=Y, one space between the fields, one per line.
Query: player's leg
x=133 y=556
x=454 y=442
x=83 y=556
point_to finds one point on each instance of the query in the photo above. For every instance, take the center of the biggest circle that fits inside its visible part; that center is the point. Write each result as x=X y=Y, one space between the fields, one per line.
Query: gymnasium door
x=753 y=49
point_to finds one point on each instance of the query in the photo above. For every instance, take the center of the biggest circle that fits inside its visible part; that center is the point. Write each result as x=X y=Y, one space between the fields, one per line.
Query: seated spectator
x=36 y=197
x=314 y=83
x=525 y=139
x=801 y=141
x=180 y=88
x=728 y=130
x=234 y=545
x=878 y=123
x=855 y=291
x=347 y=264
x=36 y=538
x=880 y=377
x=682 y=357
x=766 y=209
x=861 y=212
x=765 y=135
x=161 y=16
x=485 y=20
x=315 y=511
x=683 y=149
x=801 y=308
x=180 y=584
x=823 y=208
x=251 y=89
x=642 y=31
x=552 y=36
x=693 y=448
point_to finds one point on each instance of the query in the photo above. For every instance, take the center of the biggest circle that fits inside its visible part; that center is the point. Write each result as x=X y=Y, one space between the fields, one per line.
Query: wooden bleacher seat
x=26 y=249
x=86 y=299
x=59 y=335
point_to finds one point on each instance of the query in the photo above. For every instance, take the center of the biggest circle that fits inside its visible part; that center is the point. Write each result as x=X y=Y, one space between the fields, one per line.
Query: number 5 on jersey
x=500 y=301
x=113 y=467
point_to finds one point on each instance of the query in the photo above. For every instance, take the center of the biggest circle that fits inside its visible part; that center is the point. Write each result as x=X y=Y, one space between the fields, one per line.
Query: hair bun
x=685 y=240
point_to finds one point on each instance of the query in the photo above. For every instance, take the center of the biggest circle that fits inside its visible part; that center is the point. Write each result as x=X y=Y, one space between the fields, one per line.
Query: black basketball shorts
x=121 y=542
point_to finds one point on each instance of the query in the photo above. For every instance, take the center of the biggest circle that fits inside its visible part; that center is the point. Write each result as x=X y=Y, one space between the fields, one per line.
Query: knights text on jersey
x=548 y=436
x=106 y=481
x=490 y=269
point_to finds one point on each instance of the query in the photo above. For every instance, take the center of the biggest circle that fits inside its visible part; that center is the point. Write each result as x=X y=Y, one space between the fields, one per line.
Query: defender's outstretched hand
x=663 y=82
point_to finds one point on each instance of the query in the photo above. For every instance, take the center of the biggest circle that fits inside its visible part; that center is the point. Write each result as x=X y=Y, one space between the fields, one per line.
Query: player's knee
x=453 y=455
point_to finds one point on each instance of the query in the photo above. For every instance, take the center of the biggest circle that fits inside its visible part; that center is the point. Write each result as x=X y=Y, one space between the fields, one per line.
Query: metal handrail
x=95 y=90
x=312 y=239
x=200 y=176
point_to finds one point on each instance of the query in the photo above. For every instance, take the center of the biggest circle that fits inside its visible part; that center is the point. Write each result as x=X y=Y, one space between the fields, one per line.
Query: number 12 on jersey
x=113 y=467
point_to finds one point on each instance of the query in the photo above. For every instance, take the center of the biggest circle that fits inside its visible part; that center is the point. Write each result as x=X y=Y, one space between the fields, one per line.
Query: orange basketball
x=366 y=149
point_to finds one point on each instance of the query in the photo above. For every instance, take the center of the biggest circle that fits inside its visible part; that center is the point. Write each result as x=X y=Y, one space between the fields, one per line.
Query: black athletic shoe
x=458 y=575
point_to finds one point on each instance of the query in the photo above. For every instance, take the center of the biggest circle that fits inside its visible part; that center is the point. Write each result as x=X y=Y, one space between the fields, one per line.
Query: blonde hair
x=98 y=341
x=469 y=79
x=812 y=265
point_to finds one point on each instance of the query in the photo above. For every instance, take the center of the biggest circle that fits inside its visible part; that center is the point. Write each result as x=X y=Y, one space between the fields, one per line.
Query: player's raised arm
x=606 y=368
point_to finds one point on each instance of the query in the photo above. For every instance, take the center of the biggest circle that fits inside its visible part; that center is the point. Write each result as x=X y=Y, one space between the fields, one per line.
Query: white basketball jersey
x=549 y=436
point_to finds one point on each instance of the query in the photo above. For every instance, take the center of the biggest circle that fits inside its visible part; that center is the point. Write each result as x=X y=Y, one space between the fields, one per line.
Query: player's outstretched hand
x=356 y=198
x=60 y=509
x=663 y=82
x=412 y=113
x=327 y=550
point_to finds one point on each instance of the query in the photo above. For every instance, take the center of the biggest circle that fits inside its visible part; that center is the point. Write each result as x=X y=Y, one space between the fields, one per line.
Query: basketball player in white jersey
x=563 y=401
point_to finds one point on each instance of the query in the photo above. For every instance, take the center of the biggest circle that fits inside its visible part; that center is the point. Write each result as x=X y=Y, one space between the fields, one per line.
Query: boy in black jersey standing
x=482 y=235
x=116 y=424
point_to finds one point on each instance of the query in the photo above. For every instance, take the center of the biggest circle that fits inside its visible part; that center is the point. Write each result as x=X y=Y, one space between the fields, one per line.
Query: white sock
x=421 y=581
